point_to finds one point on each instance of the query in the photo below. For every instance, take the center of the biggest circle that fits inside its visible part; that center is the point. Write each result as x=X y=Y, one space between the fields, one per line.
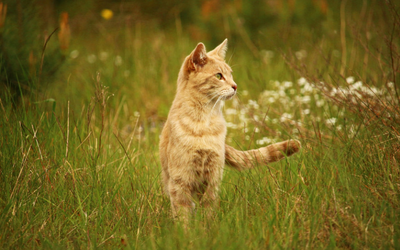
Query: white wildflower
x=243 y=118
x=267 y=140
x=260 y=142
x=372 y=91
x=287 y=84
x=271 y=100
x=357 y=85
x=320 y=103
x=254 y=104
x=91 y=58
x=270 y=93
x=301 y=54
x=307 y=88
x=301 y=81
x=74 y=54
x=285 y=117
x=350 y=79
x=230 y=111
x=334 y=91
x=235 y=103
x=306 y=111
x=118 y=60
x=352 y=130
x=103 y=56
x=306 y=99
x=267 y=54
x=231 y=125
x=331 y=121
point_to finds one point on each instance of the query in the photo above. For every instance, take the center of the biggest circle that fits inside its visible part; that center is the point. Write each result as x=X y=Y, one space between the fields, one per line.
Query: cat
x=192 y=143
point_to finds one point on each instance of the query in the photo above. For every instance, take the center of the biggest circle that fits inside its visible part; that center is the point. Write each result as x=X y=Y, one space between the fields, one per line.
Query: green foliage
x=22 y=39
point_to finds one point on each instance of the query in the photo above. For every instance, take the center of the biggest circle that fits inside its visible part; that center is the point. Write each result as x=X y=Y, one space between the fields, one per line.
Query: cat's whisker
x=216 y=103
x=212 y=98
x=230 y=58
x=234 y=66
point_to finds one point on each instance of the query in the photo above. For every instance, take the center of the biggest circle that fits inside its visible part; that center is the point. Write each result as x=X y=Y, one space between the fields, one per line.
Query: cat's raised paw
x=293 y=146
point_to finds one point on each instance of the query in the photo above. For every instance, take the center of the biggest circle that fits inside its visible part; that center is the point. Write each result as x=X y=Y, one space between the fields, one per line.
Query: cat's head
x=207 y=73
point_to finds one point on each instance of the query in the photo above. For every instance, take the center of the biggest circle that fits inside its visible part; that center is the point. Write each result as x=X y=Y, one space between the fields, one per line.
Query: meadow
x=79 y=163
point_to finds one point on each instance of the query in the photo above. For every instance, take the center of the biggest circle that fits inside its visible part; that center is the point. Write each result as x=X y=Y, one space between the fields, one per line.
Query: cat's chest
x=201 y=128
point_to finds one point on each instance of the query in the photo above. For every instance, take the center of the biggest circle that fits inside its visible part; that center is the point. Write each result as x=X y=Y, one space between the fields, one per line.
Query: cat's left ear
x=221 y=49
x=198 y=58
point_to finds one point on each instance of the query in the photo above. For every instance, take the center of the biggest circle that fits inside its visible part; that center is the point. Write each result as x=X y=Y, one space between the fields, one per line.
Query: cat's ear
x=221 y=49
x=198 y=58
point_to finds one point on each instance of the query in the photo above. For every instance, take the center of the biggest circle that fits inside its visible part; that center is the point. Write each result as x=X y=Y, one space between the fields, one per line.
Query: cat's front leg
x=182 y=203
x=209 y=201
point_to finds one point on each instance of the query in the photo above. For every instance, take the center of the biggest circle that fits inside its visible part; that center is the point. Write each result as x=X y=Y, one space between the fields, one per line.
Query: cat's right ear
x=221 y=49
x=198 y=58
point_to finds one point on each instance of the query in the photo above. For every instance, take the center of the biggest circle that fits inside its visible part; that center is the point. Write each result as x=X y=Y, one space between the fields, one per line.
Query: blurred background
x=57 y=49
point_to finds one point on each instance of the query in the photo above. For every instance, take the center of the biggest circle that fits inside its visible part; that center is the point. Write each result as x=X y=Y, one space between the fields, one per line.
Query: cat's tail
x=241 y=160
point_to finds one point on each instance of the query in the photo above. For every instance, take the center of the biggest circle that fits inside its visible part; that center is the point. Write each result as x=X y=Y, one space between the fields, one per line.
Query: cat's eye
x=218 y=76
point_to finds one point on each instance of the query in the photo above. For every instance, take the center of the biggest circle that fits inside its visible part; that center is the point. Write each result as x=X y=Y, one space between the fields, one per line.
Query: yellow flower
x=107 y=14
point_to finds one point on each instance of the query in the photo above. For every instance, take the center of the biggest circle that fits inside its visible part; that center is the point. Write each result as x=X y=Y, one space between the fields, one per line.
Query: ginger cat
x=192 y=144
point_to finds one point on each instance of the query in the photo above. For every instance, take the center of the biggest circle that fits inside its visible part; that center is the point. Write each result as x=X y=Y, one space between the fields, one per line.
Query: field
x=79 y=161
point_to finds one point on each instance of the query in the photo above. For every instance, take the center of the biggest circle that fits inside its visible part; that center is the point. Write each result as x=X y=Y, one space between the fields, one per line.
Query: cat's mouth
x=230 y=96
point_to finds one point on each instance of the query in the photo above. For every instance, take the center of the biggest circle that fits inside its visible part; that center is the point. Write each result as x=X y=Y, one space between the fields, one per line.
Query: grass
x=80 y=168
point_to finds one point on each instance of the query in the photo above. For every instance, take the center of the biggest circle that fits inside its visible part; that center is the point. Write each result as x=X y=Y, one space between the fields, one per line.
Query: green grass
x=80 y=168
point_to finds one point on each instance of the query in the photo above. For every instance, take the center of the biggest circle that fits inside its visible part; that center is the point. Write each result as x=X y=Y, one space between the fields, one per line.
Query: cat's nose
x=234 y=87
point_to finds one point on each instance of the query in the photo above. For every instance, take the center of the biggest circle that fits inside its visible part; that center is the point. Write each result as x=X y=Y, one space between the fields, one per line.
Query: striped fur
x=242 y=160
